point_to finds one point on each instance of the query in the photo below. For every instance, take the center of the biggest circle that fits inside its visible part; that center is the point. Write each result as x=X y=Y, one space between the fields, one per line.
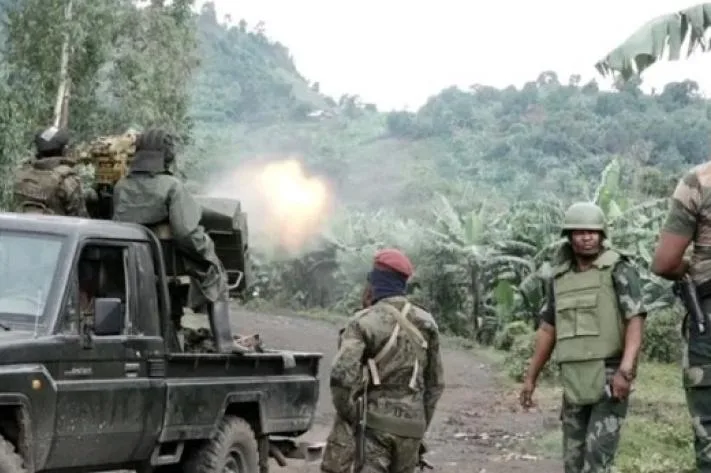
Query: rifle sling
x=401 y=321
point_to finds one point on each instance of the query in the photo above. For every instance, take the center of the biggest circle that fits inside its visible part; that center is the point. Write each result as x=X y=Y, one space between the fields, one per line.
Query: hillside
x=549 y=140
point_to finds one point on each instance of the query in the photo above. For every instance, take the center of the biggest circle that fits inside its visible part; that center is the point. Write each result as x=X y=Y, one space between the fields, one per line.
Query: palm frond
x=648 y=44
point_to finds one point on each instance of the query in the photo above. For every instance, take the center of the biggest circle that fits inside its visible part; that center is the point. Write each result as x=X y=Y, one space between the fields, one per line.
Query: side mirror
x=108 y=316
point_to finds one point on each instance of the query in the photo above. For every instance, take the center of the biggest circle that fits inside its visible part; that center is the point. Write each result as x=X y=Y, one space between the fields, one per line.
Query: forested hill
x=549 y=139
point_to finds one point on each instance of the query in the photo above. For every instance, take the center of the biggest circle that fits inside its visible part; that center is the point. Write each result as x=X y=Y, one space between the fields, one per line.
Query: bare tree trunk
x=61 y=106
x=476 y=296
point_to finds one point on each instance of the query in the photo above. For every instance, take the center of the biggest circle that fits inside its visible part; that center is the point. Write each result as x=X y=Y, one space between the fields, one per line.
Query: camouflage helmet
x=584 y=216
x=154 y=151
x=156 y=139
x=51 y=141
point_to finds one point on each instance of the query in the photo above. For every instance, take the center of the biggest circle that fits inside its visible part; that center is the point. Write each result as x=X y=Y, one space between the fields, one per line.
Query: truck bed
x=278 y=389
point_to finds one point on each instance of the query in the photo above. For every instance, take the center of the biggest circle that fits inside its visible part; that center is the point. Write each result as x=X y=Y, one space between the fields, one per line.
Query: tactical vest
x=37 y=190
x=588 y=327
x=405 y=351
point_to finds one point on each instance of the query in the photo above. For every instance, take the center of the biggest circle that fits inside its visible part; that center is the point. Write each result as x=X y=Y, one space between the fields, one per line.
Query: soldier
x=688 y=221
x=595 y=319
x=49 y=184
x=386 y=378
x=150 y=195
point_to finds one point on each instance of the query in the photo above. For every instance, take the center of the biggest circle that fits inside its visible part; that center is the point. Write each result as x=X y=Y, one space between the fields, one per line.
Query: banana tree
x=648 y=44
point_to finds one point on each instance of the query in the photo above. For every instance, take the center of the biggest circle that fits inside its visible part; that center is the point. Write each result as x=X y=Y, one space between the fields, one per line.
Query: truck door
x=105 y=390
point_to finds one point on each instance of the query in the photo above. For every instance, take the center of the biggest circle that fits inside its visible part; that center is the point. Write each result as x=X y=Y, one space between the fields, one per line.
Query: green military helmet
x=584 y=216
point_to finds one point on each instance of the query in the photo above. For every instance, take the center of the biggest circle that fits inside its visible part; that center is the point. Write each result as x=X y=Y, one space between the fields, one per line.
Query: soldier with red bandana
x=386 y=378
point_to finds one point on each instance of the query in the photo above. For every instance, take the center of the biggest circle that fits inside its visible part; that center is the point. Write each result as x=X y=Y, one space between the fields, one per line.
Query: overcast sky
x=397 y=53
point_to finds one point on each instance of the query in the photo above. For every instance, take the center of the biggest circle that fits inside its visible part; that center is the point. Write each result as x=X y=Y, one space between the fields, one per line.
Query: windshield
x=28 y=263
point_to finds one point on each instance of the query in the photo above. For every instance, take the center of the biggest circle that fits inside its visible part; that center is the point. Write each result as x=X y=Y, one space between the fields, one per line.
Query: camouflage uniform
x=591 y=432
x=49 y=186
x=402 y=395
x=690 y=216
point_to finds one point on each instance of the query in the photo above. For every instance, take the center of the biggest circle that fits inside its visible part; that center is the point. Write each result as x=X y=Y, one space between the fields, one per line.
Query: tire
x=10 y=460
x=233 y=449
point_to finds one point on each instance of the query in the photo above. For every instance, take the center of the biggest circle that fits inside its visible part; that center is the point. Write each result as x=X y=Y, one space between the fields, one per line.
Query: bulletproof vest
x=37 y=187
x=396 y=369
x=588 y=326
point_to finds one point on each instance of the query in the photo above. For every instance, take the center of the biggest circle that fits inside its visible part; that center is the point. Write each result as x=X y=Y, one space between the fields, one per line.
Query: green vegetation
x=472 y=185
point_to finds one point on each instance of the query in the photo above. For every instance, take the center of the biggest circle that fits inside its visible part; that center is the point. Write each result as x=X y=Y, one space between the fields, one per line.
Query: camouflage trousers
x=384 y=452
x=389 y=453
x=591 y=434
x=339 y=453
x=697 y=385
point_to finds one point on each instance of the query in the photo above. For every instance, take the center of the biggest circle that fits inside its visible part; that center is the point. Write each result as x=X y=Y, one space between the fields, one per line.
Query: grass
x=656 y=436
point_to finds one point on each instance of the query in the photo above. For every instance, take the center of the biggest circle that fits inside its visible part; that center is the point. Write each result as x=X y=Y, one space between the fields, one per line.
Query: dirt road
x=478 y=427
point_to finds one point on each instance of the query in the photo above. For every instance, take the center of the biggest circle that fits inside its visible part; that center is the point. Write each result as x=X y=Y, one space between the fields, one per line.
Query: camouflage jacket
x=49 y=186
x=690 y=216
x=162 y=198
x=411 y=377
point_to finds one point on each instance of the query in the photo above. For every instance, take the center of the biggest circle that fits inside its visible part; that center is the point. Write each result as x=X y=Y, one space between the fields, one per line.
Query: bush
x=506 y=336
x=518 y=358
x=662 y=336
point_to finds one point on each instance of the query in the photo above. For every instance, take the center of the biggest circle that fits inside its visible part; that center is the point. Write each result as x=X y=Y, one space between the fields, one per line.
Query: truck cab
x=93 y=375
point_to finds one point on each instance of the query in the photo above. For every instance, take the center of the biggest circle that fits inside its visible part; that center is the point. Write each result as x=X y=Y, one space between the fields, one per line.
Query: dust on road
x=478 y=426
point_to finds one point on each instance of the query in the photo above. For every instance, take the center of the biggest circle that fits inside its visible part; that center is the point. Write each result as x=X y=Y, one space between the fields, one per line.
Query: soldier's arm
x=184 y=214
x=433 y=375
x=346 y=370
x=73 y=197
x=628 y=287
x=678 y=229
x=545 y=337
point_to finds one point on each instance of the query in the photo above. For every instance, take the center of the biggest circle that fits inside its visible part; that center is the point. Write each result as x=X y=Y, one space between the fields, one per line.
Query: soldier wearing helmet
x=594 y=316
x=48 y=184
x=388 y=372
x=688 y=221
x=151 y=195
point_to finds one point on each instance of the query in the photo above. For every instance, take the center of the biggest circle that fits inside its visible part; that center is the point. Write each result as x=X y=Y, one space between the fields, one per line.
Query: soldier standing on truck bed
x=689 y=220
x=151 y=195
x=594 y=317
x=386 y=378
x=48 y=184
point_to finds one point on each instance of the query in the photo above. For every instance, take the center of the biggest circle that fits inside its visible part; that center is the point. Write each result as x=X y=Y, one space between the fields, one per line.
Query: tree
x=648 y=44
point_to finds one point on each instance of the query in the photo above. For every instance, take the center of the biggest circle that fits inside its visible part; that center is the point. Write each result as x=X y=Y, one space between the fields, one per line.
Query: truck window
x=101 y=272
x=28 y=268
x=146 y=319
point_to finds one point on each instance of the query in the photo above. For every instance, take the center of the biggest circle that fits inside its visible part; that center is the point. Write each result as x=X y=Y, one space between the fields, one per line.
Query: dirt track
x=478 y=426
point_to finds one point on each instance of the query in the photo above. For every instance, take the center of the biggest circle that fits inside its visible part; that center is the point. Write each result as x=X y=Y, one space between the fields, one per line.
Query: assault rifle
x=686 y=290
x=361 y=411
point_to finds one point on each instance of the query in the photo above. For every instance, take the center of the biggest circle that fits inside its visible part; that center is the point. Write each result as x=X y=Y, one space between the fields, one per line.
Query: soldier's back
x=37 y=186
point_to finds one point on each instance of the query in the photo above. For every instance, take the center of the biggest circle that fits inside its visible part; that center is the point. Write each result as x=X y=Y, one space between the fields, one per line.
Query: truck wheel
x=232 y=450
x=10 y=461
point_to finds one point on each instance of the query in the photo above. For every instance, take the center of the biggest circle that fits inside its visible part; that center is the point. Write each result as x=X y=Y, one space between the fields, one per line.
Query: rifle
x=361 y=411
x=686 y=290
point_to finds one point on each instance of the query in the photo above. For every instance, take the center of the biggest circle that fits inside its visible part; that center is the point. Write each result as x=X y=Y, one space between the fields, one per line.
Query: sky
x=398 y=53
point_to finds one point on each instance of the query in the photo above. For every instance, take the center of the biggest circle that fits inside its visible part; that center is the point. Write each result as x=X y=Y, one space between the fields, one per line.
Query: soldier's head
x=585 y=228
x=51 y=141
x=389 y=276
x=155 y=151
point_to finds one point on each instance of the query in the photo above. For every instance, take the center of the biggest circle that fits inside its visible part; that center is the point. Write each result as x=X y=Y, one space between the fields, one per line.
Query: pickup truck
x=100 y=382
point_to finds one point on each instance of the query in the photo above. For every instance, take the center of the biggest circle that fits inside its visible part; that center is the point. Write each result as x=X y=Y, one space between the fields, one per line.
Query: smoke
x=286 y=208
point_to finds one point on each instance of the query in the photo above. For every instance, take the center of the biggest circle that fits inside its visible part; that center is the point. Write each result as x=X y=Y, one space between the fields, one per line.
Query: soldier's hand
x=620 y=387
x=526 y=395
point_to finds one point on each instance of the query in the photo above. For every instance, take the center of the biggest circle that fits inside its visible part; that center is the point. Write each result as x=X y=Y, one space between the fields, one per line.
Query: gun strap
x=415 y=334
